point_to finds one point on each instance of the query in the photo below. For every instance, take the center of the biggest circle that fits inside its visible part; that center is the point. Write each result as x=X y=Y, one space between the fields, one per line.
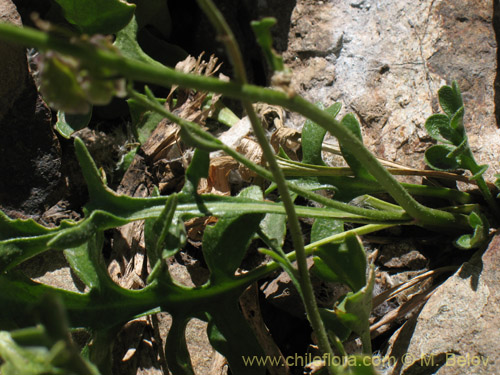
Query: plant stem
x=293 y=221
x=370 y=215
x=92 y=56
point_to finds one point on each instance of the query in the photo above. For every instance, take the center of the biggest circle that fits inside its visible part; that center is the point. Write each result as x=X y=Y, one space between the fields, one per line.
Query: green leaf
x=60 y=87
x=437 y=158
x=97 y=16
x=126 y=42
x=165 y=235
x=274 y=227
x=438 y=126
x=457 y=122
x=198 y=169
x=225 y=243
x=12 y=228
x=480 y=171
x=481 y=227
x=339 y=262
x=176 y=351
x=355 y=309
x=350 y=122
x=450 y=99
x=262 y=30
x=312 y=138
x=23 y=239
x=144 y=122
x=333 y=324
x=68 y=123
x=230 y=334
x=87 y=263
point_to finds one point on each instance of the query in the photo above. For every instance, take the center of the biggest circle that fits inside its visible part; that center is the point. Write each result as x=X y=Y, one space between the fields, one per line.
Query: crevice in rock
x=496 y=28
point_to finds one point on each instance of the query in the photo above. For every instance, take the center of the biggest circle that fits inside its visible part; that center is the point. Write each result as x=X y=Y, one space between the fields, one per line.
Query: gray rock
x=385 y=61
x=457 y=330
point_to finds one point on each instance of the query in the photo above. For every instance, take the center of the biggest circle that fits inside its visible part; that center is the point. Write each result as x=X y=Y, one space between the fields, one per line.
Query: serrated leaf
x=262 y=31
x=438 y=127
x=312 y=138
x=12 y=228
x=450 y=99
x=436 y=158
x=97 y=16
x=68 y=123
x=350 y=122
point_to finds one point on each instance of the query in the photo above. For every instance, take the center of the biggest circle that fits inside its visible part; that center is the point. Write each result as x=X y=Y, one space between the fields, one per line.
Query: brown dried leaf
x=196 y=226
x=272 y=116
x=289 y=140
x=164 y=142
x=218 y=176
x=252 y=150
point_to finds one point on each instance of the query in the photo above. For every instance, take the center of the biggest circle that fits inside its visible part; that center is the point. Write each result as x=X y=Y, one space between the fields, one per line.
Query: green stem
x=260 y=272
x=140 y=71
x=212 y=141
x=469 y=162
x=304 y=279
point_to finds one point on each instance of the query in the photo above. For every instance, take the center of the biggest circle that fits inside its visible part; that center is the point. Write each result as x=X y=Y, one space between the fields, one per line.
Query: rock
x=385 y=61
x=13 y=66
x=457 y=330
x=403 y=254
x=31 y=161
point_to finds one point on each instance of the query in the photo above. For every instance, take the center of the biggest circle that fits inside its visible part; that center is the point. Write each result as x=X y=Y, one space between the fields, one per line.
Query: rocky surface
x=457 y=330
x=385 y=62
x=30 y=167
